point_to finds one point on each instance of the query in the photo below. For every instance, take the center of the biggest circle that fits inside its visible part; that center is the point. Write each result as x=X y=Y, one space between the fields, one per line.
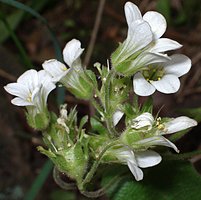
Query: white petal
x=55 y=68
x=44 y=76
x=168 y=84
x=144 y=120
x=29 y=79
x=47 y=84
x=72 y=51
x=157 y=22
x=136 y=171
x=17 y=89
x=164 y=44
x=132 y=13
x=179 y=124
x=117 y=116
x=178 y=65
x=36 y=93
x=147 y=158
x=47 y=88
x=21 y=102
x=139 y=36
x=141 y=86
x=148 y=58
x=27 y=75
x=124 y=154
x=157 y=140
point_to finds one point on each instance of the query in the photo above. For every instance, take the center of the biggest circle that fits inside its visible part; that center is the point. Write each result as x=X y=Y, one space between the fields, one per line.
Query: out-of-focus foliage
x=177 y=180
x=188 y=14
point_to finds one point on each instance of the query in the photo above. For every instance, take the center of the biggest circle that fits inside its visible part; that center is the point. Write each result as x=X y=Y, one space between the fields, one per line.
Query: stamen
x=153 y=73
x=161 y=127
x=29 y=98
x=64 y=68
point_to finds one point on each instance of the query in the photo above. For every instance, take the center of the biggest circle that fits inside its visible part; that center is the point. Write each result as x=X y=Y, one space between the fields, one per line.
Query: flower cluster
x=139 y=64
x=142 y=54
x=31 y=90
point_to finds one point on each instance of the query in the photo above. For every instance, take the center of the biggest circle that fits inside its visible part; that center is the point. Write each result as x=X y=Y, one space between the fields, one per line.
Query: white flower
x=163 y=77
x=158 y=26
x=144 y=120
x=31 y=89
x=143 y=45
x=172 y=126
x=137 y=160
x=71 y=53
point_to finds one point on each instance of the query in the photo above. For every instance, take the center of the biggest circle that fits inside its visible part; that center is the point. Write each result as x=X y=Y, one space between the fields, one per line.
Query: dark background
x=20 y=162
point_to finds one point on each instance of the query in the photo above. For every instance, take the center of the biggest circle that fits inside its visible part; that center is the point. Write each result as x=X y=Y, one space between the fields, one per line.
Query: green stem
x=183 y=156
x=107 y=90
x=108 y=117
x=92 y=171
x=97 y=107
x=60 y=182
x=100 y=192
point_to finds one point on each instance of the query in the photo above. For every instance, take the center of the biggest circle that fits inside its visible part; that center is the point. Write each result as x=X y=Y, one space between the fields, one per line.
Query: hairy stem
x=60 y=182
x=94 y=167
x=108 y=117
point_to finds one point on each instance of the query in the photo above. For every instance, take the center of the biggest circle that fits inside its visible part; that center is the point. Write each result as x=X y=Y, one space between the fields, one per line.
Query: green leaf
x=163 y=6
x=82 y=123
x=176 y=136
x=97 y=126
x=13 y=20
x=147 y=105
x=169 y=180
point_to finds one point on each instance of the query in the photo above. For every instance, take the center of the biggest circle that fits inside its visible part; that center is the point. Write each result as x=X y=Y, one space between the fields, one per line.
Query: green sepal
x=130 y=136
x=81 y=83
x=97 y=126
x=96 y=143
x=72 y=161
x=39 y=121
